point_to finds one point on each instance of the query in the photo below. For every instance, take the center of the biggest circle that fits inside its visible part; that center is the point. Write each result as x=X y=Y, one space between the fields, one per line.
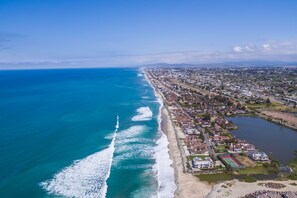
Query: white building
x=191 y=131
x=201 y=163
x=258 y=156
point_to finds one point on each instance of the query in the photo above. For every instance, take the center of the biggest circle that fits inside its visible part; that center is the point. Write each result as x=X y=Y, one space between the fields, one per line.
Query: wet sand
x=187 y=184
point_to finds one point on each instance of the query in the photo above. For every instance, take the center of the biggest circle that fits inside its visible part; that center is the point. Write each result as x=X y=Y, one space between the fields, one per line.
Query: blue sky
x=102 y=33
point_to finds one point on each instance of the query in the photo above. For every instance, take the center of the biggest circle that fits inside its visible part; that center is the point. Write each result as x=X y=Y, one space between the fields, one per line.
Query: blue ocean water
x=58 y=136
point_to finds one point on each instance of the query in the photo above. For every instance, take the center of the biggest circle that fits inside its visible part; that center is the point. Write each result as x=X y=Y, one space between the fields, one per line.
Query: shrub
x=249 y=179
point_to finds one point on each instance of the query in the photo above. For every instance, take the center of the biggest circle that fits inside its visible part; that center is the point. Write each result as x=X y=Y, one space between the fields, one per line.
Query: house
x=258 y=156
x=201 y=163
x=191 y=131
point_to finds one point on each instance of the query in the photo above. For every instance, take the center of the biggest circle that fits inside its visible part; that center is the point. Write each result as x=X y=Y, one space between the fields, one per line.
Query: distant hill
x=254 y=63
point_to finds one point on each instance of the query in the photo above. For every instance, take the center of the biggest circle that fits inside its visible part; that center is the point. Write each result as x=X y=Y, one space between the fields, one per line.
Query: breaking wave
x=131 y=145
x=165 y=173
x=86 y=177
x=144 y=113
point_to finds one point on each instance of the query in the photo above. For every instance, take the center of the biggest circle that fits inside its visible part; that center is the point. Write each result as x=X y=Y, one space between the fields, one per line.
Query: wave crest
x=144 y=114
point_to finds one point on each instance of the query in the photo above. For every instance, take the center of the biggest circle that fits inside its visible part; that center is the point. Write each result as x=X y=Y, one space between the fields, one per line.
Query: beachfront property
x=195 y=145
x=258 y=156
x=202 y=163
x=191 y=131
x=199 y=115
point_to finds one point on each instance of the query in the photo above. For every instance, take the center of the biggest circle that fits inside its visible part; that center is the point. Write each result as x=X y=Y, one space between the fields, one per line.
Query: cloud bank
x=268 y=50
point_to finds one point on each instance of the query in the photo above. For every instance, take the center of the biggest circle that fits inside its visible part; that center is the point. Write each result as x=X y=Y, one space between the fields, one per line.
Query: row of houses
x=203 y=163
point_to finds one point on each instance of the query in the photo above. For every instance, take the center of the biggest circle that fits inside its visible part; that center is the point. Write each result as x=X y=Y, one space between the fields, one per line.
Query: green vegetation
x=293 y=176
x=272 y=166
x=215 y=177
x=220 y=149
x=293 y=165
x=259 y=169
x=274 y=106
x=249 y=179
x=192 y=156
x=228 y=134
x=206 y=116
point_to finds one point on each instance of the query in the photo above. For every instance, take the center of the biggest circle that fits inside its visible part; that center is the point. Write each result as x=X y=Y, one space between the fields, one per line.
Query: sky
x=112 y=33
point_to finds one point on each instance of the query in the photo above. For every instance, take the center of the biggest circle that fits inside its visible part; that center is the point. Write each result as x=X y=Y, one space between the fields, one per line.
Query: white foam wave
x=84 y=178
x=146 y=191
x=131 y=132
x=166 y=180
x=165 y=173
x=134 y=167
x=133 y=140
x=139 y=151
x=130 y=145
x=144 y=113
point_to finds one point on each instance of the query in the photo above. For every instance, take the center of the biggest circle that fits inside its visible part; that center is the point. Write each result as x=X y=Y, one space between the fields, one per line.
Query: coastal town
x=199 y=102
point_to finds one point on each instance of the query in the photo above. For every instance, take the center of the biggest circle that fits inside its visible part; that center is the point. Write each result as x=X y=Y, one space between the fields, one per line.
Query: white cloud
x=249 y=48
x=237 y=49
x=266 y=47
x=268 y=50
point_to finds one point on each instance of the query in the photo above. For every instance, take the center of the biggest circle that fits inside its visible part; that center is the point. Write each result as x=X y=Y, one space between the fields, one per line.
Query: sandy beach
x=187 y=184
x=236 y=188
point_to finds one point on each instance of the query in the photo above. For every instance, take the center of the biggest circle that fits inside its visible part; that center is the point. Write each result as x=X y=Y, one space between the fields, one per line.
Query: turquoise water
x=57 y=134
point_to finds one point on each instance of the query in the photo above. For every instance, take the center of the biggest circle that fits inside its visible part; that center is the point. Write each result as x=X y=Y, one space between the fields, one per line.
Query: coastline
x=187 y=185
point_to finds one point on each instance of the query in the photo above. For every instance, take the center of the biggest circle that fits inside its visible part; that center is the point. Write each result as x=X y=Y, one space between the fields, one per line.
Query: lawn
x=259 y=169
x=201 y=156
x=220 y=148
x=214 y=178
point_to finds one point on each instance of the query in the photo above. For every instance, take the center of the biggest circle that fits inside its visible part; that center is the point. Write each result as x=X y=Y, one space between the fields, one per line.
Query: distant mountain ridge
x=227 y=64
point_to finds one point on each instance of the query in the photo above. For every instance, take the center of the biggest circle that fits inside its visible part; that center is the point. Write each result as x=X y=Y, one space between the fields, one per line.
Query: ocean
x=58 y=135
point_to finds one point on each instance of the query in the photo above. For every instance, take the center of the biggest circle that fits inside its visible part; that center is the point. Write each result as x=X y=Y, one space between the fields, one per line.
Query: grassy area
x=256 y=106
x=201 y=156
x=259 y=169
x=249 y=179
x=214 y=178
x=220 y=148
x=274 y=106
x=293 y=165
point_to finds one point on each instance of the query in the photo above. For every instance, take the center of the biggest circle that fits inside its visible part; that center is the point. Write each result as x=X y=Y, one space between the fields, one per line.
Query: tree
x=268 y=101
x=206 y=116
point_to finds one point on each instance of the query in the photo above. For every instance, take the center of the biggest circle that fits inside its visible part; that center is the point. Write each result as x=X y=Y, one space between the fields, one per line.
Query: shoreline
x=187 y=185
x=272 y=117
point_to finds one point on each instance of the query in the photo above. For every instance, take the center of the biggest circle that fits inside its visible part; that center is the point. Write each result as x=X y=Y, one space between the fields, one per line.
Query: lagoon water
x=58 y=136
x=279 y=141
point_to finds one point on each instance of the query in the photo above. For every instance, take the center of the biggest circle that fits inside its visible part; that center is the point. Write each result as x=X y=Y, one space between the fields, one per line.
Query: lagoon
x=276 y=140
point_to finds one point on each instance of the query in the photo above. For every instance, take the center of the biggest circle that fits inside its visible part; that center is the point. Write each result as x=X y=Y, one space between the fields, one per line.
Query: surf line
x=112 y=146
x=86 y=177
